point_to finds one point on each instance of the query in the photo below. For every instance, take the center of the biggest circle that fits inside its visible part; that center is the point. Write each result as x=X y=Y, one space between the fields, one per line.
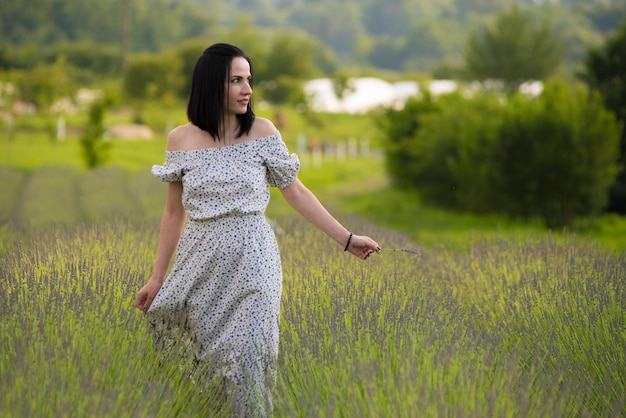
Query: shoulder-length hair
x=209 y=89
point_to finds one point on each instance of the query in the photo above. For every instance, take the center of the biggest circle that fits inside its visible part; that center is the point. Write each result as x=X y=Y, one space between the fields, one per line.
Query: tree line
x=399 y=35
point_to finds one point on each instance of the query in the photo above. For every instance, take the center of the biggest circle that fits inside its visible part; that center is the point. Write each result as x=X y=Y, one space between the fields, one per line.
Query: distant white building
x=362 y=95
x=367 y=93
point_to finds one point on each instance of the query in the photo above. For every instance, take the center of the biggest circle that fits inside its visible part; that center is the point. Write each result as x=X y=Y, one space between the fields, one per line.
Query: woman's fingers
x=363 y=246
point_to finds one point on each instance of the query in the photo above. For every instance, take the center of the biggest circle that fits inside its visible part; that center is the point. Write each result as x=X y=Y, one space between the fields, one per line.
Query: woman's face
x=238 y=89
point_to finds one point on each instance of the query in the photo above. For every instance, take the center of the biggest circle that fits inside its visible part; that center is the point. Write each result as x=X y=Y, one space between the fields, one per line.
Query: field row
x=65 y=196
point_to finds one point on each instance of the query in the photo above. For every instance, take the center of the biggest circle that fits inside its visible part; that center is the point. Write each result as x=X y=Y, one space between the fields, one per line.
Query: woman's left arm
x=305 y=202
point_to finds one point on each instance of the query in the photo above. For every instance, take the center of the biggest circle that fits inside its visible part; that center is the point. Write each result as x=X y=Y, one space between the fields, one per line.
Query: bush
x=457 y=146
x=93 y=60
x=552 y=158
x=558 y=155
x=605 y=70
x=402 y=149
x=151 y=77
x=95 y=149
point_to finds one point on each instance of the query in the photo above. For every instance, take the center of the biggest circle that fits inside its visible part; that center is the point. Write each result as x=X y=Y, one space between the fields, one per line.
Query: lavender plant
x=514 y=326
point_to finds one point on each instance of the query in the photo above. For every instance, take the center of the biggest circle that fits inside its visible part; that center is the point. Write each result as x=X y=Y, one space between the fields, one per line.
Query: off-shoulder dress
x=224 y=288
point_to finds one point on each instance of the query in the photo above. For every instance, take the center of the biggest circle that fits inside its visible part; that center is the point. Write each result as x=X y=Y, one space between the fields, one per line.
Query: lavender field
x=479 y=319
x=508 y=326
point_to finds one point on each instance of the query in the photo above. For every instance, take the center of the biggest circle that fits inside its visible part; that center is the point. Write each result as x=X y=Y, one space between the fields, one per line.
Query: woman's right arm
x=172 y=224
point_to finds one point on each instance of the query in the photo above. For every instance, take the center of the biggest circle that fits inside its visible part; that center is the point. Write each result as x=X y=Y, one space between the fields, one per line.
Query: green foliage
x=558 y=155
x=42 y=85
x=153 y=24
x=552 y=158
x=399 y=128
x=284 y=89
x=45 y=83
x=18 y=58
x=90 y=61
x=151 y=76
x=387 y=53
x=281 y=62
x=186 y=55
x=457 y=151
x=605 y=70
x=337 y=24
x=513 y=51
x=605 y=16
x=288 y=63
x=353 y=30
x=93 y=143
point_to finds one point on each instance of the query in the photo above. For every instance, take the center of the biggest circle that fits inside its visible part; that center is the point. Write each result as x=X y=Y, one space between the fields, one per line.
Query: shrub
x=605 y=70
x=557 y=155
x=94 y=146
x=152 y=77
x=551 y=158
x=402 y=149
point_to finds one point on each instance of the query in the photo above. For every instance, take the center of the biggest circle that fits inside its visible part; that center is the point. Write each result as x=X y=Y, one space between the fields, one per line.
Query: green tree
x=151 y=76
x=94 y=146
x=430 y=42
x=387 y=52
x=400 y=128
x=289 y=62
x=605 y=70
x=336 y=24
x=468 y=8
x=43 y=85
x=551 y=158
x=92 y=61
x=557 y=156
x=514 y=50
x=458 y=150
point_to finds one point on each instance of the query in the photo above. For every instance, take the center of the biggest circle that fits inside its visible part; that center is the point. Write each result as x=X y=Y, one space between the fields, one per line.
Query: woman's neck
x=230 y=130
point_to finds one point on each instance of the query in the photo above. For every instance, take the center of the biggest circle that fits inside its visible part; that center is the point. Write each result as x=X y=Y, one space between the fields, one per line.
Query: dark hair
x=206 y=99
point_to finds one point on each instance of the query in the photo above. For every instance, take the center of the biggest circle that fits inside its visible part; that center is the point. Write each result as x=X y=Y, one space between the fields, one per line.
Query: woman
x=225 y=284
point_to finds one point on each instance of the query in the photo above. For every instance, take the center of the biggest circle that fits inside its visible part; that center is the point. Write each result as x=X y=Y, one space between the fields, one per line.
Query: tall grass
x=509 y=326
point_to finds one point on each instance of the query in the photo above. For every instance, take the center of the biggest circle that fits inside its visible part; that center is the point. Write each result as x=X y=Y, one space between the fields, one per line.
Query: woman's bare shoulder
x=183 y=137
x=262 y=127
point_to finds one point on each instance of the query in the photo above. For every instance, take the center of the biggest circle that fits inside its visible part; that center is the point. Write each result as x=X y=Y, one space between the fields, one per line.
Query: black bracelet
x=348 y=243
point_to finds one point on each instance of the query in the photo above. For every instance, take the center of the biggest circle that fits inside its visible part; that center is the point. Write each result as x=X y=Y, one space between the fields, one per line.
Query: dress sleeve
x=172 y=169
x=282 y=167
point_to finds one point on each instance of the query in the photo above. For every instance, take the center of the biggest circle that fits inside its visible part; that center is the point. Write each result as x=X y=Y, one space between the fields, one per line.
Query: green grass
x=356 y=186
x=30 y=146
x=402 y=210
x=512 y=326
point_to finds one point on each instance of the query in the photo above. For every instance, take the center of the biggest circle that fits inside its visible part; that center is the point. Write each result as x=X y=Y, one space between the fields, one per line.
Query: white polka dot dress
x=225 y=285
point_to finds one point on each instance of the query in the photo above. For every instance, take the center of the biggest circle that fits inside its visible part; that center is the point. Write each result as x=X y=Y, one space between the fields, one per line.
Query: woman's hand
x=147 y=294
x=362 y=246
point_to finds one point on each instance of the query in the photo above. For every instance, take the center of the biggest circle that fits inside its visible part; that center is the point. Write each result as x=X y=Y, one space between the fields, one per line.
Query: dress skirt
x=223 y=292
